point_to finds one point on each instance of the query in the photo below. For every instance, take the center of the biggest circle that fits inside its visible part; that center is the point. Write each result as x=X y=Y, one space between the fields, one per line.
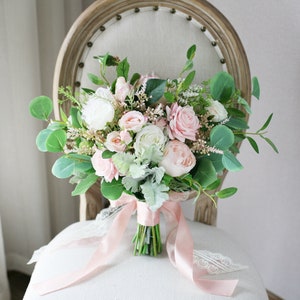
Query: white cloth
x=141 y=277
x=4 y=288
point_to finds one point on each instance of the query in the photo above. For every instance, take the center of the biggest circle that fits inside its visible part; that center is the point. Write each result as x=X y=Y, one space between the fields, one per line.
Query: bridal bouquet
x=149 y=137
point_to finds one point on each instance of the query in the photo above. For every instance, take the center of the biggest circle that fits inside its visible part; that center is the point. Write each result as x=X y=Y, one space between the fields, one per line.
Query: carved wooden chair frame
x=94 y=19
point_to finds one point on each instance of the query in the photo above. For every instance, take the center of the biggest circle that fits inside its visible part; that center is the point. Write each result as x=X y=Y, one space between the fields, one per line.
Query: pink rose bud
x=117 y=141
x=132 y=120
x=104 y=167
x=178 y=159
x=123 y=89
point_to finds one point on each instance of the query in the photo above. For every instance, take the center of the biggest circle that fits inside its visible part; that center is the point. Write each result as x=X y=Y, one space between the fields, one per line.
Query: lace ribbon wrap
x=107 y=231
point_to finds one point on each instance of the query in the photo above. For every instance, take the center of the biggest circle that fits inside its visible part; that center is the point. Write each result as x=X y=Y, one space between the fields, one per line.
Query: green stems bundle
x=147 y=240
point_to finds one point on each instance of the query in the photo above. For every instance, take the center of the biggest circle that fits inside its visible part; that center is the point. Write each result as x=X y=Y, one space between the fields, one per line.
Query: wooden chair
x=154 y=35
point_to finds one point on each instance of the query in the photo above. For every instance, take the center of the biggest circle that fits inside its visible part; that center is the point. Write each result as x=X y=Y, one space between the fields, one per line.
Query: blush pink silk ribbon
x=179 y=245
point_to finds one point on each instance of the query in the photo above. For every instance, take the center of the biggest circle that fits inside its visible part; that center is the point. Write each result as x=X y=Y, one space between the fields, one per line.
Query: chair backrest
x=154 y=36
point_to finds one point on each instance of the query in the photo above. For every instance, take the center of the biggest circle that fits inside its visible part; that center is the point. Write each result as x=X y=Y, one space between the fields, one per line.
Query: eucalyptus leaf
x=56 y=141
x=214 y=185
x=221 y=137
x=253 y=144
x=41 y=107
x=155 y=89
x=222 y=86
x=271 y=144
x=230 y=162
x=205 y=172
x=225 y=193
x=112 y=190
x=63 y=167
x=216 y=160
x=235 y=112
x=245 y=104
x=266 y=124
x=237 y=123
x=41 y=139
x=84 y=184
x=255 y=88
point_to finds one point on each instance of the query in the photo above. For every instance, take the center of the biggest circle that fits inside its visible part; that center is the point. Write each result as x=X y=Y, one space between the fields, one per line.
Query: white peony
x=99 y=109
x=150 y=136
x=217 y=110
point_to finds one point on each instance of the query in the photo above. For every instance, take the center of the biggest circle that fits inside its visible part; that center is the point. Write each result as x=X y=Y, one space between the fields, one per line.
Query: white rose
x=148 y=136
x=99 y=110
x=217 y=110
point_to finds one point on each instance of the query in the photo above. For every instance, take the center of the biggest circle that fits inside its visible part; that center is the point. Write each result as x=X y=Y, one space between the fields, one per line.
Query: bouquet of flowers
x=148 y=137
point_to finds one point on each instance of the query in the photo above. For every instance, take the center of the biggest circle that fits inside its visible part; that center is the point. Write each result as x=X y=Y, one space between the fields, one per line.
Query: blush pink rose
x=117 y=141
x=132 y=120
x=104 y=167
x=177 y=159
x=183 y=122
x=123 y=89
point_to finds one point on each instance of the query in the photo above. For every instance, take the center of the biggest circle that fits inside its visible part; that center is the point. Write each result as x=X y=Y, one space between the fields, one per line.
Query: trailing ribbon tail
x=106 y=247
x=179 y=246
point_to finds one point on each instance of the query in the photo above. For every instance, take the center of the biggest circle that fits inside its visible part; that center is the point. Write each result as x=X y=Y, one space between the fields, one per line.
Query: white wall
x=264 y=215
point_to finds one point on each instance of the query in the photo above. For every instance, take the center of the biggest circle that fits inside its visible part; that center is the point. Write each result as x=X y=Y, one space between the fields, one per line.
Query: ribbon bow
x=179 y=245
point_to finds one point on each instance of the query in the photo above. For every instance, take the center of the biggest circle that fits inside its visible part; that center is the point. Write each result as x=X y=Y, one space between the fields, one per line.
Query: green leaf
x=107 y=154
x=63 y=167
x=245 y=104
x=88 y=91
x=56 y=141
x=107 y=60
x=169 y=97
x=84 y=184
x=205 y=173
x=235 y=112
x=123 y=69
x=271 y=144
x=221 y=137
x=191 y=52
x=255 y=88
x=216 y=160
x=237 y=123
x=222 y=86
x=42 y=138
x=230 y=162
x=155 y=89
x=188 y=80
x=266 y=124
x=41 y=107
x=75 y=116
x=112 y=190
x=135 y=77
x=253 y=144
x=188 y=66
x=63 y=116
x=225 y=193
x=95 y=79
x=214 y=185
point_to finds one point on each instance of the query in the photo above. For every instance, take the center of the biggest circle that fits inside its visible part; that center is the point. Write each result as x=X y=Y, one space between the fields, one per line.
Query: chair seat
x=155 y=276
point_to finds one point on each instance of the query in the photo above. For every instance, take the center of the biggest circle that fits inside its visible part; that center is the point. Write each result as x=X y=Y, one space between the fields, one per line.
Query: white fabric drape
x=34 y=206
